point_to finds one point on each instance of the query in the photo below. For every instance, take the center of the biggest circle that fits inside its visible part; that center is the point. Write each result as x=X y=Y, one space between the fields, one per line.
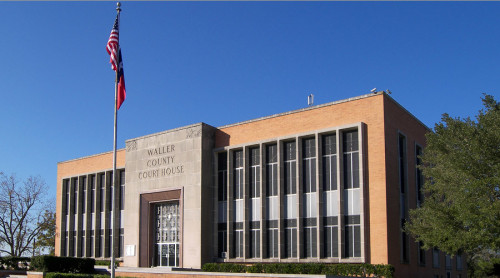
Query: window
x=238 y=175
x=310 y=239
x=272 y=170
x=83 y=198
x=309 y=165
x=403 y=180
x=329 y=162
x=448 y=261
x=66 y=189
x=74 y=196
x=255 y=172
x=459 y=261
x=419 y=176
x=290 y=168
x=92 y=241
x=92 y=196
x=291 y=240
x=421 y=254
x=255 y=240
x=222 y=204
x=102 y=186
x=272 y=239
x=351 y=159
x=122 y=189
x=435 y=257
x=352 y=236
x=238 y=240
x=331 y=237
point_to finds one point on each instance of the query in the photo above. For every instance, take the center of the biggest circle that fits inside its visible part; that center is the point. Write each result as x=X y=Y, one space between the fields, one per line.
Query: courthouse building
x=330 y=183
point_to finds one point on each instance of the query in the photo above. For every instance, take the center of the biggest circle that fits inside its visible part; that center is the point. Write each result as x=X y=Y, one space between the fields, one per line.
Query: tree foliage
x=22 y=206
x=461 y=211
x=46 y=239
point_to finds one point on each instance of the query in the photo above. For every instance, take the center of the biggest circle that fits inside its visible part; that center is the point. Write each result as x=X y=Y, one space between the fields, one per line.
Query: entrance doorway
x=167 y=229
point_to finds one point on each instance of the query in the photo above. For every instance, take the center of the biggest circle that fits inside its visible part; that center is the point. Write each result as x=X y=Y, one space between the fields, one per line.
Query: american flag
x=113 y=46
x=115 y=53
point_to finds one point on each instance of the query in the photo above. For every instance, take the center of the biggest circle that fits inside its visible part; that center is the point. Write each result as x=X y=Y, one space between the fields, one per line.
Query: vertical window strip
x=272 y=170
x=403 y=180
x=122 y=189
x=84 y=195
x=290 y=168
x=419 y=176
x=329 y=162
x=92 y=194
x=350 y=146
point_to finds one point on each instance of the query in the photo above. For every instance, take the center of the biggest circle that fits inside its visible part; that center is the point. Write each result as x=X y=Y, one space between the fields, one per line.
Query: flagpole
x=113 y=214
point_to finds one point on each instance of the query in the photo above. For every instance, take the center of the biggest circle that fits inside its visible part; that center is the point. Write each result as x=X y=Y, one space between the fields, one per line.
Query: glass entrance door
x=167 y=234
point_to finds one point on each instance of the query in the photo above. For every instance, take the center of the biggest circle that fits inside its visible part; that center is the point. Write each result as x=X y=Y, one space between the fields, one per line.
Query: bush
x=63 y=264
x=14 y=263
x=103 y=262
x=363 y=270
x=74 y=275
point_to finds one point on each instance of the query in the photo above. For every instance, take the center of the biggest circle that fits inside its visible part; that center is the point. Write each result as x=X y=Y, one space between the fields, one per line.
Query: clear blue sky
x=225 y=62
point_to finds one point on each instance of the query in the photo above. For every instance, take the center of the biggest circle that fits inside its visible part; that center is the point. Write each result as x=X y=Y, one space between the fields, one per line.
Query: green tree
x=46 y=240
x=461 y=211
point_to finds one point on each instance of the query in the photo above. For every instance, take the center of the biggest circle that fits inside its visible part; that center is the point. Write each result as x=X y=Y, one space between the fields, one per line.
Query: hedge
x=74 y=275
x=62 y=264
x=361 y=270
x=14 y=263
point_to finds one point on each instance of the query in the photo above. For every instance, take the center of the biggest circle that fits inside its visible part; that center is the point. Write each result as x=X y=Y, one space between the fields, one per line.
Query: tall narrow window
x=309 y=189
x=74 y=196
x=419 y=176
x=83 y=198
x=290 y=173
x=102 y=187
x=272 y=200
x=255 y=202
x=222 y=204
x=238 y=203
x=403 y=209
x=421 y=254
x=122 y=189
x=330 y=196
x=92 y=195
x=66 y=189
x=352 y=194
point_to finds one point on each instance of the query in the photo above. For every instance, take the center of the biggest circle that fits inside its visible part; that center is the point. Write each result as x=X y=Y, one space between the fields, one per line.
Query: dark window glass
x=331 y=240
x=291 y=242
x=238 y=175
x=238 y=243
x=421 y=253
x=351 y=159
x=310 y=242
x=255 y=243
x=272 y=170
x=222 y=176
x=329 y=163
x=92 y=196
x=222 y=241
x=83 y=198
x=92 y=242
x=309 y=165
x=122 y=190
x=353 y=241
x=290 y=168
x=74 y=196
x=419 y=176
x=66 y=193
x=272 y=243
x=102 y=187
x=255 y=172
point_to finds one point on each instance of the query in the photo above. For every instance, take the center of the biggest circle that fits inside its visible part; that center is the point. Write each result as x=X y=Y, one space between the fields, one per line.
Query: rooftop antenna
x=374 y=90
x=310 y=99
